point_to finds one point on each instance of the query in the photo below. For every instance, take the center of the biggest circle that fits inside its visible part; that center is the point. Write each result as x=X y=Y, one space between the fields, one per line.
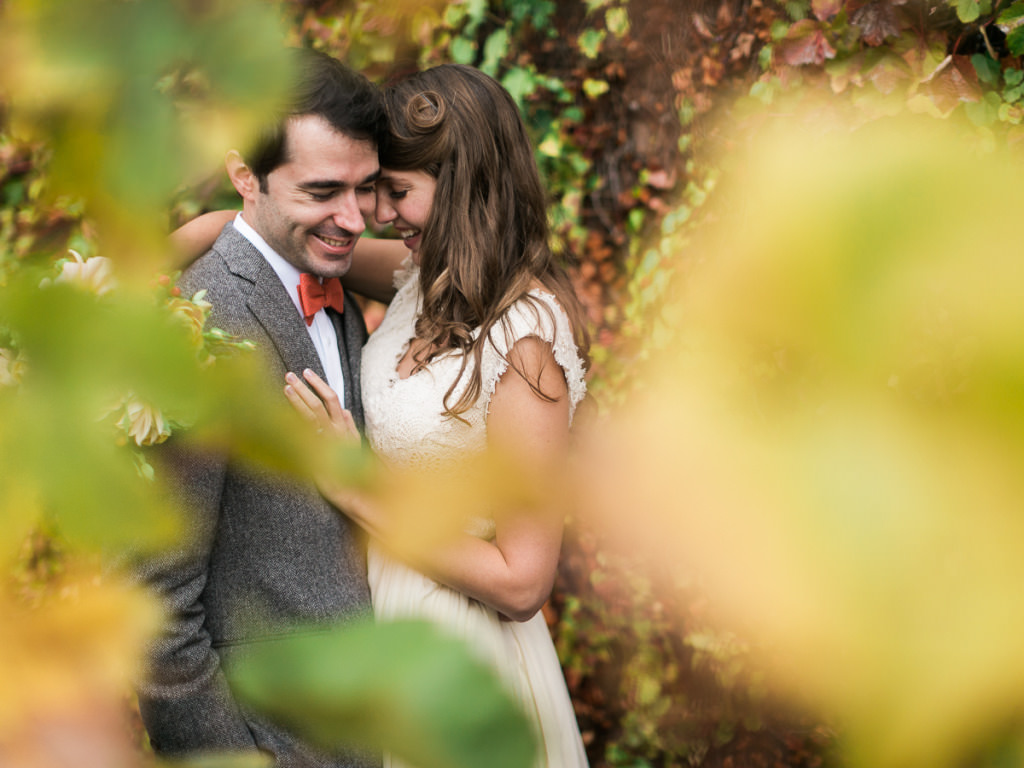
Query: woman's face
x=404 y=199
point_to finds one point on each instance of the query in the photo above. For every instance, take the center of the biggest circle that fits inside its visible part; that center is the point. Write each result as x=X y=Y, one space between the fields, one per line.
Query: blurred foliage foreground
x=101 y=359
x=826 y=438
x=830 y=439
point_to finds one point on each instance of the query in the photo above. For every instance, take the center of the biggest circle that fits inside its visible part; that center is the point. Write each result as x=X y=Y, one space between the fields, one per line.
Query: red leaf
x=952 y=84
x=806 y=44
x=876 y=21
x=825 y=9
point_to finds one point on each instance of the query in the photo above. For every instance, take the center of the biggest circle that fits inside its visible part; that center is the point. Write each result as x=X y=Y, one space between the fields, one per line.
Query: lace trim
x=406 y=270
x=522 y=321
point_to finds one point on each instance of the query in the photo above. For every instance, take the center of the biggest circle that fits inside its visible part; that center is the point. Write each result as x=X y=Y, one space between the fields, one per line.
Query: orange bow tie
x=314 y=295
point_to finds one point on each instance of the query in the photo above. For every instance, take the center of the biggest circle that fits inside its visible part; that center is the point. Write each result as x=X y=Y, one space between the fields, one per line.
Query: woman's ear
x=242 y=178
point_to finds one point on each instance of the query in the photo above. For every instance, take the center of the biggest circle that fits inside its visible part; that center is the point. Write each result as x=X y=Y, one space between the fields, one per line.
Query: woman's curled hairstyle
x=485 y=242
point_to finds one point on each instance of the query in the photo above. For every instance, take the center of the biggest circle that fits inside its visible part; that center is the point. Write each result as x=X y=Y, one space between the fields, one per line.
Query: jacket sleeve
x=185 y=701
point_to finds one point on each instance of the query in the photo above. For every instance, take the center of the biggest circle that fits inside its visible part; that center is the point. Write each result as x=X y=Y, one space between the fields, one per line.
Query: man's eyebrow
x=333 y=184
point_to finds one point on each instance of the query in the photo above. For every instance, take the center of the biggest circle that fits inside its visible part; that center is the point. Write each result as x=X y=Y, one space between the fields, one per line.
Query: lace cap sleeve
x=538 y=314
x=406 y=271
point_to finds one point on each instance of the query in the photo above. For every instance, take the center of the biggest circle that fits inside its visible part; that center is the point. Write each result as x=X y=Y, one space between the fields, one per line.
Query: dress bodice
x=405 y=420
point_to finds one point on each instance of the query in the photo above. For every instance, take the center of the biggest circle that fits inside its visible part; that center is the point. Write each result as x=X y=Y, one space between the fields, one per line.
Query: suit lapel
x=273 y=308
x=351 y=335
x=271 y=305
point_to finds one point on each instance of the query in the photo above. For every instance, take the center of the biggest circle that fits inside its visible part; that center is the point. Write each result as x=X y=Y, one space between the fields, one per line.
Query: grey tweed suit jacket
x=266 y=553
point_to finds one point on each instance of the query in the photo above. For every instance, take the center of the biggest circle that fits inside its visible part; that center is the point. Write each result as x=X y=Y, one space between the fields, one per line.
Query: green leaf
x=495 y=48
x=1011 y=95
x=108 y=111
x=520 y=83
x=463 y=51
x=13 y=192
x=761 y=91
x=455 y=15
x=572 y=115
x=590 y=42
x=987 y=68
x=551 y=146
x=477 y=10
x=970 y=10
x=403 y=687
x=1013 y=76
x=636 y=219
x=1015 y=41
x=798 y=9
x=1011 y=14
x=617 y=21
x=580 y=164
x=984 y=112
x=594 y=88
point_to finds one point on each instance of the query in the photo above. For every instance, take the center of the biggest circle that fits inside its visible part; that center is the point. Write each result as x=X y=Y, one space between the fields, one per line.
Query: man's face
x=315 y=203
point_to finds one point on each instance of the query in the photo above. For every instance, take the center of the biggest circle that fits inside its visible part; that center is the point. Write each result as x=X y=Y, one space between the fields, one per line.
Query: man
x=266 y=553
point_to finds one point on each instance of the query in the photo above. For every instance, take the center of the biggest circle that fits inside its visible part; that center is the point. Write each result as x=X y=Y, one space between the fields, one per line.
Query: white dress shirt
x=321 y=332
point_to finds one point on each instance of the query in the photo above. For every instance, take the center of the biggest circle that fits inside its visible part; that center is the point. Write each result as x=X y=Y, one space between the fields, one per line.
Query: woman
x=480 y=348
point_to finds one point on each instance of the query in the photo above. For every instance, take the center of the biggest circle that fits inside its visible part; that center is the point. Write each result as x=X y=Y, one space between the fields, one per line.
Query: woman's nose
x=384 y=212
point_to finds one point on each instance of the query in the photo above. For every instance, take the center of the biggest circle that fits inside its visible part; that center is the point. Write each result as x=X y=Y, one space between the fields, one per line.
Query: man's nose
x=349 y=216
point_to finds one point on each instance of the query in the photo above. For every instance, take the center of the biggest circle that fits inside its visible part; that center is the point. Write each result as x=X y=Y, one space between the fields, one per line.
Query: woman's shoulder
x=539 y=314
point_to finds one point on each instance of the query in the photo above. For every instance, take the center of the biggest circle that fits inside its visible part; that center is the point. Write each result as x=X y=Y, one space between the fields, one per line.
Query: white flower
x=192 y=313
x=12 y=367
x=145 y=425
x=141 y=423
x=95 y=274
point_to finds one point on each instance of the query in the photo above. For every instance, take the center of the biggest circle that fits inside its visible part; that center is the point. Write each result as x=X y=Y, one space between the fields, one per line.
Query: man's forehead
x=323 y=156
x=301 y=131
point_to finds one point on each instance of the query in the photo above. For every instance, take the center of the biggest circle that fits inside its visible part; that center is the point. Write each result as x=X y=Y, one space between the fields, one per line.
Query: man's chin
x=334 y=270
x=329 y=265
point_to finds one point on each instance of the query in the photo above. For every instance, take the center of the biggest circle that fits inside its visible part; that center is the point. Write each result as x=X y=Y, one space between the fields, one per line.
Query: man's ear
x=243 y=179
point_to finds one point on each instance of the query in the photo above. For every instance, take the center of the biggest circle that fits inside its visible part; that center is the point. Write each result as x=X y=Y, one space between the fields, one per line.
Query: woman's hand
x=316 y=402
x=319 y=404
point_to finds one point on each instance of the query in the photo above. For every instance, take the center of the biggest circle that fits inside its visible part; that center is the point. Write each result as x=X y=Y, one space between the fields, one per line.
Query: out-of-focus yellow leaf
x=833 y=440
x=66 y=666
x=428 y=505
x=135 y=98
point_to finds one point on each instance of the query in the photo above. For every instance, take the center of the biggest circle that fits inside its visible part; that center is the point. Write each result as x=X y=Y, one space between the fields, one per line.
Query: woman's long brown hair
x=485 y=242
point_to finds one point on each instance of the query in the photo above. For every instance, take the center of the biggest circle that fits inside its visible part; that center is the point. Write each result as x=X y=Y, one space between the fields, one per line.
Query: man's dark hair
x=328 y=88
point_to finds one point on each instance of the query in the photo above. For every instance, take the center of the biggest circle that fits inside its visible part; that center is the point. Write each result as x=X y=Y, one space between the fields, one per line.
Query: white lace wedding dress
x=406 y=427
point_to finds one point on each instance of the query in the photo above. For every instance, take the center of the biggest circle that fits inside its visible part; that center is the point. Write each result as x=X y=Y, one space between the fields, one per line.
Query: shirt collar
x=287 y=273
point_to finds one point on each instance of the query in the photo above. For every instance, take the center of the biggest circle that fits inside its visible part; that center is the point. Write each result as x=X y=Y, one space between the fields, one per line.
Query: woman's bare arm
x=195 y=237
x=374 y=262
x=515 y=572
